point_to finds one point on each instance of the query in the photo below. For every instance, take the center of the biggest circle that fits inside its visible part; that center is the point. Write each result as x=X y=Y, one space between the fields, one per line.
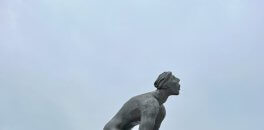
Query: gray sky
x=70 y=65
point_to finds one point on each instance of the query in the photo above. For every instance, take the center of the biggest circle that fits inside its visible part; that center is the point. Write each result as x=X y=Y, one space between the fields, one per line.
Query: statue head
x=167 y=81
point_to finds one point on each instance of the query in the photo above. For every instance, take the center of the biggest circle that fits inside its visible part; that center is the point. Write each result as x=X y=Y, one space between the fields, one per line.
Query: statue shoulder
x=150 y=103
x=146 y=101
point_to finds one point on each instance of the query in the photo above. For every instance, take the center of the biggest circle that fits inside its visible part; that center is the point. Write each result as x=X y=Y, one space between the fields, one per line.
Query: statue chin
x=176 y=93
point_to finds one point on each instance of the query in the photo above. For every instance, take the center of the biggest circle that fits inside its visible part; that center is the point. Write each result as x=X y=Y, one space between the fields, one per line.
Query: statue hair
x=162 y=79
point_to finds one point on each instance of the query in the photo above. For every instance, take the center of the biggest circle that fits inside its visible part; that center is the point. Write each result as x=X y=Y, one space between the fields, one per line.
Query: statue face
x=173 y=85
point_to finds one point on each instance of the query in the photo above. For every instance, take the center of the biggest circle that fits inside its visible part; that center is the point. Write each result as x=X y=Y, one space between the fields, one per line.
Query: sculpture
x=147 y=109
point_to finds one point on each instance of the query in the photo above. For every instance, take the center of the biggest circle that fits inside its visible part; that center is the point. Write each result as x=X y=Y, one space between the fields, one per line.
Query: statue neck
x=161 y=95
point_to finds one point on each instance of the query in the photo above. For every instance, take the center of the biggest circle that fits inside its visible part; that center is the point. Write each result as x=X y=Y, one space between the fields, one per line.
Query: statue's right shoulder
x=145 y=99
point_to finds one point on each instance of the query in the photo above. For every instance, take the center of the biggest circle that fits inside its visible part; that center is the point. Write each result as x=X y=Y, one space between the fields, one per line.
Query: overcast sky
x=71 y=64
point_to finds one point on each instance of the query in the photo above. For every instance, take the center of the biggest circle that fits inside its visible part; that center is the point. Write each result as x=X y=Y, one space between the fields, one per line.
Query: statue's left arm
x=160 y=117
x=149 y=114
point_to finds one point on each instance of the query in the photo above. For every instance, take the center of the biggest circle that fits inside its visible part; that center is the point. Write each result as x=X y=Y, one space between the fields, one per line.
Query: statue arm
x=148 y=116
x=160 y=117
